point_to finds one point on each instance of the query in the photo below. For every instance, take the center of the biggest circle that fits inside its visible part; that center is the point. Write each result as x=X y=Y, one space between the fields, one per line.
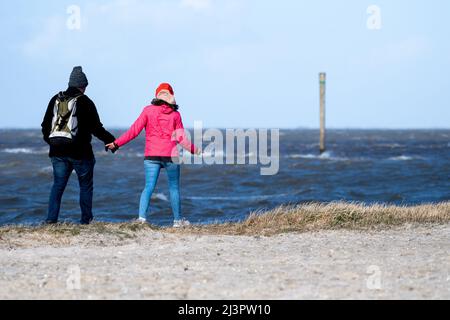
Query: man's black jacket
x=88 y=124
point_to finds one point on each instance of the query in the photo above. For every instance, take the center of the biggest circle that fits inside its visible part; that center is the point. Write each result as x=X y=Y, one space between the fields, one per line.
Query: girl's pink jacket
x=163 y=130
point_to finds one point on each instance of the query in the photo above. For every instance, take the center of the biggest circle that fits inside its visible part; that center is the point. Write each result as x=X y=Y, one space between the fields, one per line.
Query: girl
x=163 y=130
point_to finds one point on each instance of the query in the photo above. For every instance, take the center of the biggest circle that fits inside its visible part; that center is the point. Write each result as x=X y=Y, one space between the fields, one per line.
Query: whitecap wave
x=389 y=145
x=46 y=170
x=160 y=196
x=403 y=158
x=25 y=151
x=407 y=158
x=323 y=156
x=139 y=155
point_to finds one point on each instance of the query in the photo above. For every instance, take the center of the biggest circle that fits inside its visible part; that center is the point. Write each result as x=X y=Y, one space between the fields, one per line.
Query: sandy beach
x=407 y=262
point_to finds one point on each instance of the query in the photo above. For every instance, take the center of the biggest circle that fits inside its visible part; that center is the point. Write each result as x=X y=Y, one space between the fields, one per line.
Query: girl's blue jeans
x=152 y=170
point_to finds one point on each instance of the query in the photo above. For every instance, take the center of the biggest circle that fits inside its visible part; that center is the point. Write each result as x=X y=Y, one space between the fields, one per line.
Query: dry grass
x=331 y=216
x=300 y=218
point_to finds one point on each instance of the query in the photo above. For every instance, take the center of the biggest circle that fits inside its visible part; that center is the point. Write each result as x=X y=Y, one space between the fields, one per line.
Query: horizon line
x=262 y=127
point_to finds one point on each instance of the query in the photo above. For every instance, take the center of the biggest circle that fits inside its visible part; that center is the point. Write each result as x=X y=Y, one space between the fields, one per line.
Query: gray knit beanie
x=78 y=78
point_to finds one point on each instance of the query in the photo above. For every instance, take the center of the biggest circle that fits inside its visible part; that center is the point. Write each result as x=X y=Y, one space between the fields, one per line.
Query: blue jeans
x=152 y=170
x=62 y=169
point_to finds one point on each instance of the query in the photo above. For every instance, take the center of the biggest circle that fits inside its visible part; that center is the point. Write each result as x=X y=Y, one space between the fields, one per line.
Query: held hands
x=113 y=147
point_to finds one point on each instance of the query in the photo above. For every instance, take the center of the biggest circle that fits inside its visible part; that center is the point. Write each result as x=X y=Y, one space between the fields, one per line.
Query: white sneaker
x=141 y=220
x=181 y=223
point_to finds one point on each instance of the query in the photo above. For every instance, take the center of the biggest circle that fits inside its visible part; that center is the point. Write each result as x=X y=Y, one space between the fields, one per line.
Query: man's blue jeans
x=152 y=170
x=62 y=169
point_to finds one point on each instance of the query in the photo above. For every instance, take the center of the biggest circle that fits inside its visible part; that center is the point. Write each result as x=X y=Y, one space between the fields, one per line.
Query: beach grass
x=284 y=219
x=330 y=216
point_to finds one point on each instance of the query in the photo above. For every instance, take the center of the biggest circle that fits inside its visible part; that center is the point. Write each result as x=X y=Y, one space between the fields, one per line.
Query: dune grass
x=284 y=219
x=331 y=216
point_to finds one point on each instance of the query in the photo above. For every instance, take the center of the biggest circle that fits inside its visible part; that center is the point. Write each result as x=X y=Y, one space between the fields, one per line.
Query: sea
x=400 y=167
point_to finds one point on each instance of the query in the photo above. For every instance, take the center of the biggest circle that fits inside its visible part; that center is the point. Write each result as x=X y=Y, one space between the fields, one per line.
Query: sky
x=233 y=63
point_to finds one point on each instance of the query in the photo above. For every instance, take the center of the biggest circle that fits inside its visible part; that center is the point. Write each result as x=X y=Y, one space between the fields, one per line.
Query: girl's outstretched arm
x=134 y=131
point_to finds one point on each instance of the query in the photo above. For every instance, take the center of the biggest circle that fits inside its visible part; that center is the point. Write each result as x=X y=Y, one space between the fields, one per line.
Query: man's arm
x=47 y=121
x=96 y=126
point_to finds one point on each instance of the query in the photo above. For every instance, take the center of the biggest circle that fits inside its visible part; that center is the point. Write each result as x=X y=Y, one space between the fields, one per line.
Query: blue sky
x=233 y=63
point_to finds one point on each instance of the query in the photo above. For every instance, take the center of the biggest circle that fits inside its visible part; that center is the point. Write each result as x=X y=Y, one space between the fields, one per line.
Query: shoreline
x=283 y=219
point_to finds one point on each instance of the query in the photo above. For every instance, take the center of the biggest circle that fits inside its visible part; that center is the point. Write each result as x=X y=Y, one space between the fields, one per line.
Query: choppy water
x=399 y=167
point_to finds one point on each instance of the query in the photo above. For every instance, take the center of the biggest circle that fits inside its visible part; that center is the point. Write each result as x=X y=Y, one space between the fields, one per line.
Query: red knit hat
x=164 y=86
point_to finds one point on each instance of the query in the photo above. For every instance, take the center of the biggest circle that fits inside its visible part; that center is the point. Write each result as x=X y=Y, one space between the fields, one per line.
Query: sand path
x=406 y=263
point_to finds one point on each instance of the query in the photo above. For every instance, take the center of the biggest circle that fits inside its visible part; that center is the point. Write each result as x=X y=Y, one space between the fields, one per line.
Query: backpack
x=65 y=123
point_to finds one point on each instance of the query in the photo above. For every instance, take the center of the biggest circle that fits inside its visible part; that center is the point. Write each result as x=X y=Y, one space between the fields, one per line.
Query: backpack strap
x=61 y=96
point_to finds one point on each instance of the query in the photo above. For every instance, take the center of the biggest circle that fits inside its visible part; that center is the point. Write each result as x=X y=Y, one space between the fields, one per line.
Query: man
x=69 y=123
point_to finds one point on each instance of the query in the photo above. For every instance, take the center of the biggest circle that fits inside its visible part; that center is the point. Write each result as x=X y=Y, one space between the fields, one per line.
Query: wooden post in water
x=323 y=79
